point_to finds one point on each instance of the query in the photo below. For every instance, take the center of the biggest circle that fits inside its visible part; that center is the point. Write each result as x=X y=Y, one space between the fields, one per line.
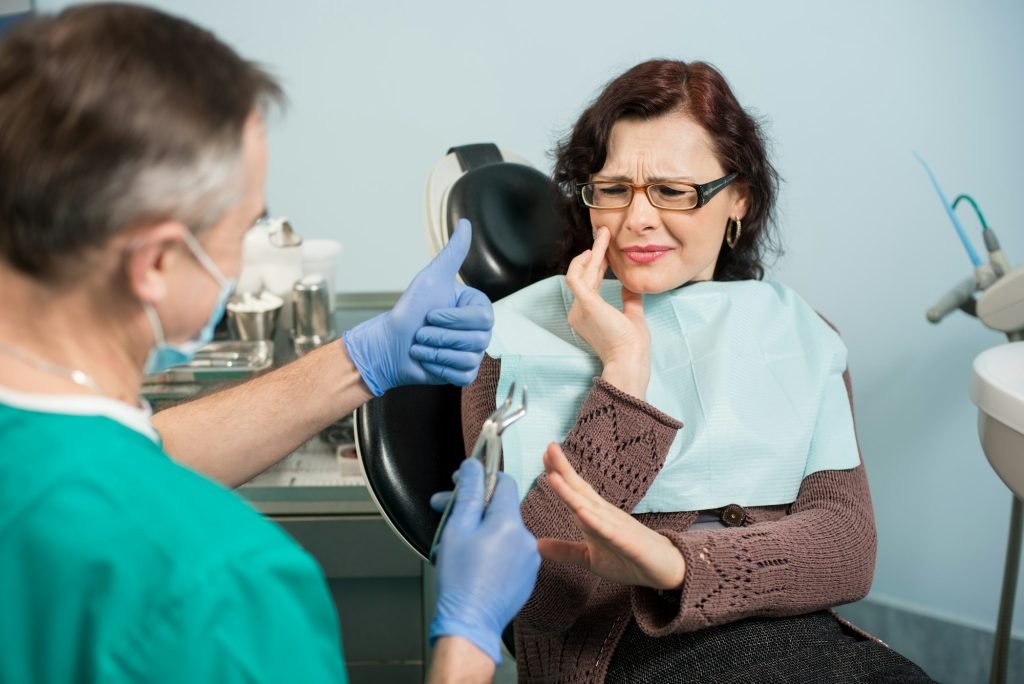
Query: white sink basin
x=997 y=388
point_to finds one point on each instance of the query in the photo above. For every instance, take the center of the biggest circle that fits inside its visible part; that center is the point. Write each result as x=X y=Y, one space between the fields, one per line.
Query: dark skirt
x=807 y=649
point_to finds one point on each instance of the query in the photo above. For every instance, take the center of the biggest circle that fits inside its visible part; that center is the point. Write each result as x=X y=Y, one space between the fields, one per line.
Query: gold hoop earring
x=733 y=238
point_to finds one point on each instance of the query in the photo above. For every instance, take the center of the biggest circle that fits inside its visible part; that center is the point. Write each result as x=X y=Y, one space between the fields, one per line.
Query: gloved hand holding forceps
x=482 y=548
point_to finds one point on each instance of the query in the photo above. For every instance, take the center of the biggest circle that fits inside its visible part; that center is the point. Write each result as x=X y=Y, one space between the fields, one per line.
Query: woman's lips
x=646 y=254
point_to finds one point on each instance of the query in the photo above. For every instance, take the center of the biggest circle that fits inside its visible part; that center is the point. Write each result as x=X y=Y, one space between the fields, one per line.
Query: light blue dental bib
x=751 y=370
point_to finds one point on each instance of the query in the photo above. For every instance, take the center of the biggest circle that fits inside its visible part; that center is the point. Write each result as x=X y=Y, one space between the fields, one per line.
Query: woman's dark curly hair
x=652 y=89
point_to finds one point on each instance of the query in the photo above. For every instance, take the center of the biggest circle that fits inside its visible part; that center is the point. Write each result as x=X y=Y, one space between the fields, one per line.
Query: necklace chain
x=79 y=377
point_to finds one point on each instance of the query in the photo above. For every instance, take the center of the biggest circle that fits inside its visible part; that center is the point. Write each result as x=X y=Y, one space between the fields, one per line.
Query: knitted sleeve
x=618 y=445
x=819 y=555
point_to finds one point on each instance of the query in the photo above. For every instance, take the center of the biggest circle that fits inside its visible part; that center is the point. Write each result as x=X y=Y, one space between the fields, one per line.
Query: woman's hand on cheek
x=619 y=338
x=615 y=545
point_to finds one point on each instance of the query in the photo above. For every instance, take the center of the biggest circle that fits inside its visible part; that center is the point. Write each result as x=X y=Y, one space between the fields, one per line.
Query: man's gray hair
x=113 y=117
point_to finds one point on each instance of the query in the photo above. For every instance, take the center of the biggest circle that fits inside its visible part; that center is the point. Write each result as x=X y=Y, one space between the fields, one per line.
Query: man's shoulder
x=153 y=558
x=118 y=497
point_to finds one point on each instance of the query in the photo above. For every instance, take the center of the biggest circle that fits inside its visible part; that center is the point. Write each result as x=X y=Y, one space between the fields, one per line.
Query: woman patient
x=710 y=506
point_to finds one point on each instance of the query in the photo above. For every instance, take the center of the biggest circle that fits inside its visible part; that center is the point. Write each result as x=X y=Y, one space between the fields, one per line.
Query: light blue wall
x=380 y=90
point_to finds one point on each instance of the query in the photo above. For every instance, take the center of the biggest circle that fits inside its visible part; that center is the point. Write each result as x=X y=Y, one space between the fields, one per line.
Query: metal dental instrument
x=488 y=450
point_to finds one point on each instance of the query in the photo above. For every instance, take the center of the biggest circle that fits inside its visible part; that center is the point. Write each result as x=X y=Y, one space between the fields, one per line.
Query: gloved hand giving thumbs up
x=435 y=334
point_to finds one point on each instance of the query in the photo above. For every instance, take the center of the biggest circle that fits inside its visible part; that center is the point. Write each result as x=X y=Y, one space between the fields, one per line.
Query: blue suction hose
x=975 y=259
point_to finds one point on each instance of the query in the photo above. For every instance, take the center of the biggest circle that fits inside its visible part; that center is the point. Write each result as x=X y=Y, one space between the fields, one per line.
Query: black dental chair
x=410 y=440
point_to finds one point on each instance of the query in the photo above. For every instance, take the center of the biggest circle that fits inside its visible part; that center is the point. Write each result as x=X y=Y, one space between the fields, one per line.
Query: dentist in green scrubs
x=132 y=161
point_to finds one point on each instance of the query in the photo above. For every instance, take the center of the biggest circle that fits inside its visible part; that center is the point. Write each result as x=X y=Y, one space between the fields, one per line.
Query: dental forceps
x=488 y=450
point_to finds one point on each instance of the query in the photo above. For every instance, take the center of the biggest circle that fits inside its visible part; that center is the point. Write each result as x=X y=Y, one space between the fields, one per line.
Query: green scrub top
x=118 y=565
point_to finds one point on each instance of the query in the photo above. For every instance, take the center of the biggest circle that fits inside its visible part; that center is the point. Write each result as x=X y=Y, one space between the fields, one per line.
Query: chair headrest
x=513 y=210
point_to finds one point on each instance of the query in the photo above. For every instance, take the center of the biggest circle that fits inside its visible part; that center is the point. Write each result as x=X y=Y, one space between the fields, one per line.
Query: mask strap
x=204 y=260
x=154 y=323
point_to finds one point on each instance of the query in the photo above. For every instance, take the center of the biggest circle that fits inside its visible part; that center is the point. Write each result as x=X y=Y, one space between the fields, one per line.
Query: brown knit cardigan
x=813 y=554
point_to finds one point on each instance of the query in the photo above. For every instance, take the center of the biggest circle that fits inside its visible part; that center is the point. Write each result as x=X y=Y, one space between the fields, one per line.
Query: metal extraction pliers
x=488 y=450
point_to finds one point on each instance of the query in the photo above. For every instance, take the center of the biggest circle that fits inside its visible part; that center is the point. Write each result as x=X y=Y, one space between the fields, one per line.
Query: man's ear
x=150 y=253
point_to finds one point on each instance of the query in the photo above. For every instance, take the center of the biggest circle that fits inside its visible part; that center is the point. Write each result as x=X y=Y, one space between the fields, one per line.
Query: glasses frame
x=705 y=191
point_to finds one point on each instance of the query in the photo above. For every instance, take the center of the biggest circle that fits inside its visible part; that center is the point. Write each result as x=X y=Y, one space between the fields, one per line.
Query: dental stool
x=410 y=439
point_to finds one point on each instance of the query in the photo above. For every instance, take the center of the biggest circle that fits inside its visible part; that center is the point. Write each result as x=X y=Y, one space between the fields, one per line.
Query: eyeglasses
x=672 y=195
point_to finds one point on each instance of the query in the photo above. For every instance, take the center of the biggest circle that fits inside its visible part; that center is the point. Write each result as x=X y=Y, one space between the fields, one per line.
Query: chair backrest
x=409 y=443
x=410 y=439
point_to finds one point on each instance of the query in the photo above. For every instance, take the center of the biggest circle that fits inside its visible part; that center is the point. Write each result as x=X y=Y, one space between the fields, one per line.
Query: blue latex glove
x=487 y=563
x=435 y=334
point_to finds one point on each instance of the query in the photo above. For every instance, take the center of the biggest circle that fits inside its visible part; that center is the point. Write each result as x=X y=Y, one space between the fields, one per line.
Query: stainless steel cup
x=253 y=317
x=311 y=319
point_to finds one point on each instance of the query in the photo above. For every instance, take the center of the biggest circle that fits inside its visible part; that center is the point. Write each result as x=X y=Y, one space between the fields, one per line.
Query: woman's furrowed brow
x=650 y=179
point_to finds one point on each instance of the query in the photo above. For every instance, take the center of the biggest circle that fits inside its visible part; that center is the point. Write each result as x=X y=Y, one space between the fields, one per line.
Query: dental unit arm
x=994 y=294
x=999 y=306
